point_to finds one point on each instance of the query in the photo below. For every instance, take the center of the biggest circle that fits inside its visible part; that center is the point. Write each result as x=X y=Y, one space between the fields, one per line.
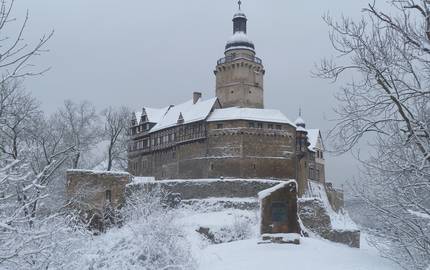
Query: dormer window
x=144 y=118
x=180 y=119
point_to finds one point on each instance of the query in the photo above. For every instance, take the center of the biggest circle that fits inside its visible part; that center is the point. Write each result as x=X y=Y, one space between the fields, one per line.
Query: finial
x=239 y=3
x=300 y=111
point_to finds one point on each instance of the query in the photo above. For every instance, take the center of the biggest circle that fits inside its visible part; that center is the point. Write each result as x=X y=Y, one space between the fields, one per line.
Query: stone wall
x=202 y=189
x=335 y=197
x=235 y=150
x=93 y=189
x=239 y=83
x=315 y=217
x=278 y=209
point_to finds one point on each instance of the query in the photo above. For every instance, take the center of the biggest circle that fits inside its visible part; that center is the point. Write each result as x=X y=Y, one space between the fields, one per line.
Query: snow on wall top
x=190 y=112
x=313 y=135
x=234 y=113
x=265 y=193
x=95 y=172
x=143 y=180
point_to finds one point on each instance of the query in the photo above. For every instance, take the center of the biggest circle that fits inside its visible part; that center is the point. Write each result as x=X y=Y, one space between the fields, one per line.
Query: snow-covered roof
x=154 y=115
x=190 y=112
x=239 y=40
x=267 y=192
x=239 y=14
x=299 y=121
x=300 y=128
x=235 y=113
x=313 y=135
x=239 y=37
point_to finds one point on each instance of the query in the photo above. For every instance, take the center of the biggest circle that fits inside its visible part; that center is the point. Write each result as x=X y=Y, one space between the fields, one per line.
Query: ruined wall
x=315 y=217
x=93 y=189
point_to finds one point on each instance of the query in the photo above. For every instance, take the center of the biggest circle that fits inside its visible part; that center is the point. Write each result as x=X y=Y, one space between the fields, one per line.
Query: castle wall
x=238 y=150
x=231 y=149
x=207 y=188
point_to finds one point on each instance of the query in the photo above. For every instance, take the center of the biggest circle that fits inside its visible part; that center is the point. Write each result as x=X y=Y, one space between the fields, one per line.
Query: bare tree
x=115 y=131
x=390 y=101
x=15 y=53
x=81 y=128
x=19 y=111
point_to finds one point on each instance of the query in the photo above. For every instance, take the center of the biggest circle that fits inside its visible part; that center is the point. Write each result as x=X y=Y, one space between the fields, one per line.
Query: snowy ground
x=312 y=253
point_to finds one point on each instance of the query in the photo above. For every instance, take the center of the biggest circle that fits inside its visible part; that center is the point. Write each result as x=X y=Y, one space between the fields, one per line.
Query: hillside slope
x=309 y=255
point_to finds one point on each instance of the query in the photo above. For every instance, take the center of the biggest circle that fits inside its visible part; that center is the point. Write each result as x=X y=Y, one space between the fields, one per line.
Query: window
x=212 y=166
x=109 y=195
x=278 y=127
x=279 y=212
x=270 y=126
x=321 y=155
x=260 y=125
x=219 y=126
x=251 y=124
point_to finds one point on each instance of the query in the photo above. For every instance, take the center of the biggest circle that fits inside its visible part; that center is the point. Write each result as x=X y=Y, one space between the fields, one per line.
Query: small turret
x=302 y=142
x=300 y=122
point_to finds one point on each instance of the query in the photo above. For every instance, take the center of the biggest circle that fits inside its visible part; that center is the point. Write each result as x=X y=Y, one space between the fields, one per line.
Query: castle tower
x=239 y=75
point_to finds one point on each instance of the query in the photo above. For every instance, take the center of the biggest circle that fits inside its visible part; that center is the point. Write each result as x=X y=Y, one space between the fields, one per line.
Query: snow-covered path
x=311 y=254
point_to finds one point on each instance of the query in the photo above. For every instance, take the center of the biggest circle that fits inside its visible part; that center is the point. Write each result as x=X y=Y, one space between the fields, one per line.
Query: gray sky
x=155 y=53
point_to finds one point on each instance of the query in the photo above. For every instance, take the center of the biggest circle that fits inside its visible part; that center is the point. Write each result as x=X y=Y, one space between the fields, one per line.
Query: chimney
x=196 y=97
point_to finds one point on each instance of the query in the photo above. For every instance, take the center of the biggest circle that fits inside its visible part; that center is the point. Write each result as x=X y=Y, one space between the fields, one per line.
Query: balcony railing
x=232 y=58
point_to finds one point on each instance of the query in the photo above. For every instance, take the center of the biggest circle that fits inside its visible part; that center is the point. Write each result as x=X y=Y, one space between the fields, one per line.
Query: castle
x=229 y=136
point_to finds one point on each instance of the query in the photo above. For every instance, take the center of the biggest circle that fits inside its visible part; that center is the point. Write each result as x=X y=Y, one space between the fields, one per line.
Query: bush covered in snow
x=150 y=239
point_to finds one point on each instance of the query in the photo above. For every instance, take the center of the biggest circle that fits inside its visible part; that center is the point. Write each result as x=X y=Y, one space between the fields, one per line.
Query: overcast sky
x=156 y=53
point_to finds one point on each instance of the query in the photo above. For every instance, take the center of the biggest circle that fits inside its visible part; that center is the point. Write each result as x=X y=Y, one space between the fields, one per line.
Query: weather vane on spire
x=239 y=3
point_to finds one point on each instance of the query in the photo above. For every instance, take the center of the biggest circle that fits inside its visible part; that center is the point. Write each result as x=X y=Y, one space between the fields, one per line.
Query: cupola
x=240 y=39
